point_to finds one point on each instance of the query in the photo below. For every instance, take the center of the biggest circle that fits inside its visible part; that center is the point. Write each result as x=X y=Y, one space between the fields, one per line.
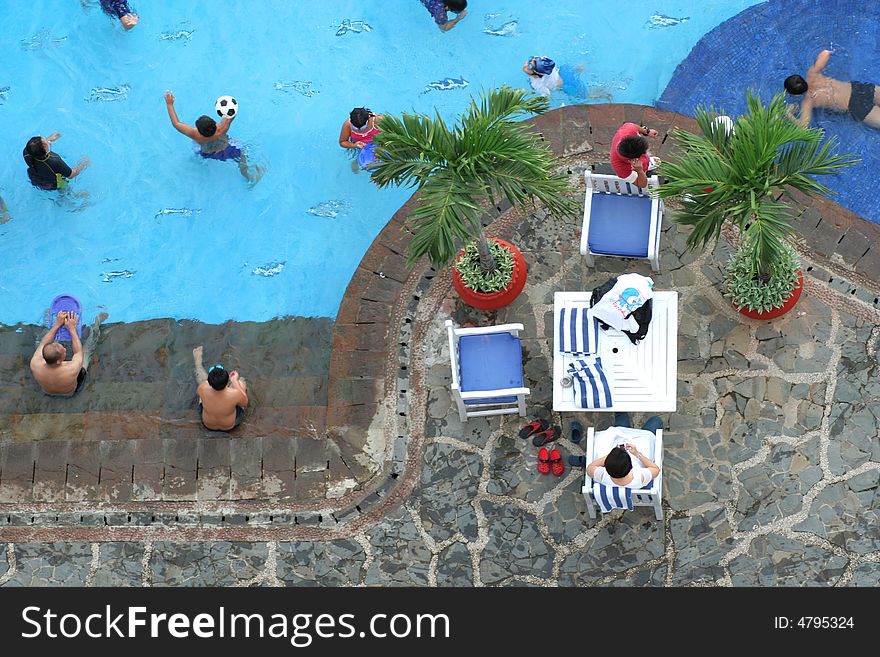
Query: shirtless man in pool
x=56 y=376
x=222 y=395
x=212 y=139
x=860 y=99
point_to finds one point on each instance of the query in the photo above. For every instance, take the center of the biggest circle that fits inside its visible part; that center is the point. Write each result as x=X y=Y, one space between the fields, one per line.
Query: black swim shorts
x=861 y=100
x=239 y=416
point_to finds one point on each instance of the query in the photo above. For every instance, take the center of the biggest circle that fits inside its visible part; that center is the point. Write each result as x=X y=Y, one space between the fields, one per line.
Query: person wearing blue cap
x=543 y=75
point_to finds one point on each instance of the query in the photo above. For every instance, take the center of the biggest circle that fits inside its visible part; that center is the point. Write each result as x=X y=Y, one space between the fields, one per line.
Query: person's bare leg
x=92 y=341
x=201 y=374
x=253 y=175
x=873 y=118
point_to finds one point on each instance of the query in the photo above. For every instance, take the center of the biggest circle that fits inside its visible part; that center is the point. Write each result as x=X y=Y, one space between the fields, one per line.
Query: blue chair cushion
x=490 y=362
x=620 y=225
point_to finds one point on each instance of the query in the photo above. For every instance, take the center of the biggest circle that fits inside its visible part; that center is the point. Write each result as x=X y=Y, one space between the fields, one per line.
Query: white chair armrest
x=483 y=330
x=504 y=392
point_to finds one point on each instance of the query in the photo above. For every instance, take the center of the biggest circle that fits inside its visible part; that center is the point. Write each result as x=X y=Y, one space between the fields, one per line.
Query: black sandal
x=547 y=436
x=532 y=428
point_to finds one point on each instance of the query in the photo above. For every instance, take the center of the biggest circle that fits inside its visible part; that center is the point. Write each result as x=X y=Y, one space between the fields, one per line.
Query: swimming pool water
x=164 y=233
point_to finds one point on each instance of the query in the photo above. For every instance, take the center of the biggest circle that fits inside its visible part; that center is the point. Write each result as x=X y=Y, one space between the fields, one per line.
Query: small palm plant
x=741 y=176
x=486 y=156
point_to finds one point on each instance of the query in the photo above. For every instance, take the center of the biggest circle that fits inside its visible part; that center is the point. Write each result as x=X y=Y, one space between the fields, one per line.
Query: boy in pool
x=120 y=9
x=211 y=137
x=545 y=77
x=860 y=99
x=56 y=376
x=46 y=169
x=222 y=395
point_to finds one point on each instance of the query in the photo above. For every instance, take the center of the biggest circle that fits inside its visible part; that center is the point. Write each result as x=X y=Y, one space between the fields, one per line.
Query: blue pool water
x=763 y=45
x=167 y=234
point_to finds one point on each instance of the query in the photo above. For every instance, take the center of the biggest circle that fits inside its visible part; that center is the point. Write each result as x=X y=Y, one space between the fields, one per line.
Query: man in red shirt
x=629 y=153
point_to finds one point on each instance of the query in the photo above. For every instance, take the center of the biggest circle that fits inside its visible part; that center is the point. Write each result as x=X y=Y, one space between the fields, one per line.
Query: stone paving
x=771 y=463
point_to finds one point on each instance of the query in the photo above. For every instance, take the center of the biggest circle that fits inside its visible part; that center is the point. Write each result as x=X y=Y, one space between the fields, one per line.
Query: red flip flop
x=547 y=436
x=532 y=428
x=544 y=461
x=556 y=462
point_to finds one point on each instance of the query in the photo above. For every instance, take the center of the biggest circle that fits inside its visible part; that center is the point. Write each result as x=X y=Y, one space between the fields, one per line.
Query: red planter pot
x=784 y=308
x=494 y=300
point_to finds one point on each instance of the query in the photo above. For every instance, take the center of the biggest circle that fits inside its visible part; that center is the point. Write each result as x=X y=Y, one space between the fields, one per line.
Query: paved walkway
x=772 y=461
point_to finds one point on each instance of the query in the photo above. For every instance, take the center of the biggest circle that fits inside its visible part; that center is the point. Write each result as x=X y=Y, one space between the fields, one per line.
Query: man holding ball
x=214 y=144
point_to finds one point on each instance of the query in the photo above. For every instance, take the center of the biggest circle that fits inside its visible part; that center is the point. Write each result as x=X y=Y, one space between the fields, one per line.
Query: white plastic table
x=644 y=376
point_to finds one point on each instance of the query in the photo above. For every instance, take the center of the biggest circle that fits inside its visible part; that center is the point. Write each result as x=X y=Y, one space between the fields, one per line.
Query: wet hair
x=632 y=147
x=795 y=85
x=456 y=6
x=618 y=462
x=218 y=378
x=359 y=116
x=206 y=126
x=52 y=354
x=35 y=148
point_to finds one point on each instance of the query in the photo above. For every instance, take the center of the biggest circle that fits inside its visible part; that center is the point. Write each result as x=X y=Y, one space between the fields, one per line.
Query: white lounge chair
x=487 y=370
x=650 y=495
x=621 y=220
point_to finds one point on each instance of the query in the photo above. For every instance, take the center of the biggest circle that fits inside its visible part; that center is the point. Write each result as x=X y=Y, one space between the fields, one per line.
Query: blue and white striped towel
x=612 y=497
x=578 y=331
x=591 y=386
x=618 y=497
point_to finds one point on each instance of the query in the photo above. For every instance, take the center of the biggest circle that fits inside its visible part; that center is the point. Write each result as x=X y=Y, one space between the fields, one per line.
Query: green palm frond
x=486 y=156
x=739 y=177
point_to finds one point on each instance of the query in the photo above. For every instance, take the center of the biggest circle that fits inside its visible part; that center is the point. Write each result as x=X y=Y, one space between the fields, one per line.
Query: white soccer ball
x=226 y=106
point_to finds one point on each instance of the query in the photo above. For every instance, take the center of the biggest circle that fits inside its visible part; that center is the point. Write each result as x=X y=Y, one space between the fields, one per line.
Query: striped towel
x=618 y=497
x=591 y=386
x=612 y=497
x=578 y=331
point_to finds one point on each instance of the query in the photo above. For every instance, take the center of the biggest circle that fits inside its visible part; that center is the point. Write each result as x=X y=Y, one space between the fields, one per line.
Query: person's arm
x=222 y=127
x=448 y=25
x=83 y=164
x=70 y=324
x=820 y=63
x=128 y=20
x=182 y=128
x=235 y=380
x=639 y=170
x=598 y=463
x=646 y=462
x=805 y=115
x=37 y=358
x=344 y=135
x=54 y=136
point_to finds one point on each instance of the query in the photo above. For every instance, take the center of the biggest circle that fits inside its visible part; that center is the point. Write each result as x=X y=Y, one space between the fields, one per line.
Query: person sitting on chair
x=616 y=468
x=860 y=99
x=629 y=153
